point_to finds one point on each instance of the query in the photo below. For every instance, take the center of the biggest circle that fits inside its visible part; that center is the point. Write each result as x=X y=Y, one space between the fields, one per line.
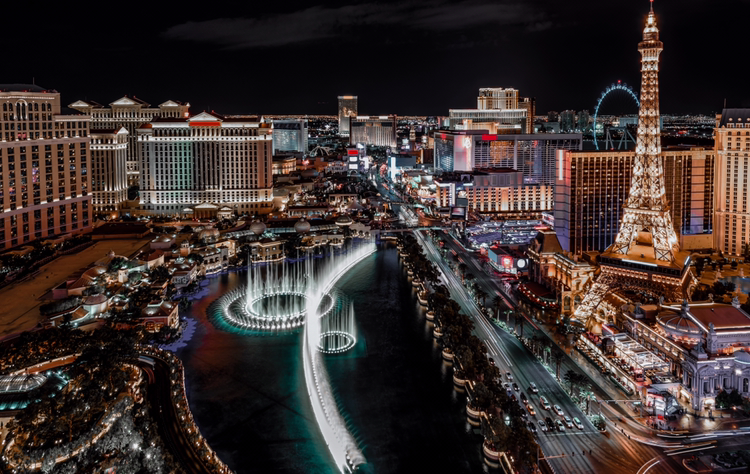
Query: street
x=567 y=451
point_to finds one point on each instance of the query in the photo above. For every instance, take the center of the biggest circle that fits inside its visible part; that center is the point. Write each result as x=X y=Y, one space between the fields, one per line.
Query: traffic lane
x=489 y=336
x=626 y=452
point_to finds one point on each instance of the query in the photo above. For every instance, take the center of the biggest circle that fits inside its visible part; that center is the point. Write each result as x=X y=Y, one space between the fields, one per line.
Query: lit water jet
x=284 y=297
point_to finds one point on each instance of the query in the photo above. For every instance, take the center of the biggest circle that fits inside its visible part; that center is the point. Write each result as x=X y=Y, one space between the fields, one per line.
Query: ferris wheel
x=618 y=90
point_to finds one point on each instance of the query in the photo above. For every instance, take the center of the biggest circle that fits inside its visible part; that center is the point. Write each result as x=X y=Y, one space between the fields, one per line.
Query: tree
x=462 y=269
x=575 y=380
x=700 y=264
x=557 y=356
x=159 y=273
x=481 y=294
x=196 y=258
x=116 y=264
x=497 y=303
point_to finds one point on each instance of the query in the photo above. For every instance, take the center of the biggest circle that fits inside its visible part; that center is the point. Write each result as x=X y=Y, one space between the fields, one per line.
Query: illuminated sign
x=507 y=262
x=353 y=158
x=352 y=152
x=489 y=138
x=205 y=124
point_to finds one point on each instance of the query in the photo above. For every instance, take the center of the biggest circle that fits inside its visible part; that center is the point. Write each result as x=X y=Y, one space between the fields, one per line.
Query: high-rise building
x=567 y=121
x=531 y=154
x=645 y=258
x=347 y=110
x=44 y=164
x=529 y=105
x=206 y=165
x=583 y=123
x=732 y=144
x=498 y=111
x=374 y=130
x=592 y=187
x=499 y=192
x=497 y=98
x=553 y=116
x=109 y=180
x=131 y=113
x=290 y=135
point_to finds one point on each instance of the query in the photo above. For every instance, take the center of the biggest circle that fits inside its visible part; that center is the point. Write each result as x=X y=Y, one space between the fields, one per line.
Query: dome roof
x=98 y=298
x=209 y=234
x=344 y=221
x=679 y=323
x=302 y=226
x=257 y=227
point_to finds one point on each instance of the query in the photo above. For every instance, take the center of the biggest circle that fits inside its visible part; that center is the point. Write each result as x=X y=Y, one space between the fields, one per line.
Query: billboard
x=458 y=213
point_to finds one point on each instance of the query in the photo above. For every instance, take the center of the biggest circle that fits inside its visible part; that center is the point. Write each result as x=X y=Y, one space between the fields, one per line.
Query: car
x=532 y=427
x=532 y=387
x=515 y=387
x=506 y=385
x=560 y=426
x=577 y=422
x=513 y=397
x=531 y=410
x=543 y=401
x=568 y=422
x=550 y=423
x=509 y=376
x=542 y=425
x=558 y=410
x=524 y=399
x=524 y=415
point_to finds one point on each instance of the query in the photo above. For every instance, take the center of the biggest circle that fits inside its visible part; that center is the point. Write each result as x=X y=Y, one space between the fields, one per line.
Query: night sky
x=404 y=57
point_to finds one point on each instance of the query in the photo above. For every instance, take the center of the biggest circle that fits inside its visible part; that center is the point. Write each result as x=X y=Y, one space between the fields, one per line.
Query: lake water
x=248 y=394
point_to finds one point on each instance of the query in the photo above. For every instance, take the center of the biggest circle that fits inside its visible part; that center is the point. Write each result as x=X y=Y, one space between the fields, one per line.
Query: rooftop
x=722 y=316
x=727 y=116
x=24 y=88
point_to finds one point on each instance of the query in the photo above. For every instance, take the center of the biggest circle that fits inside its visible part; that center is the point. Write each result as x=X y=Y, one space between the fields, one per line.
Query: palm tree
x=462 y=268
x=481 y=294
x=497 y=303
x=557 y=356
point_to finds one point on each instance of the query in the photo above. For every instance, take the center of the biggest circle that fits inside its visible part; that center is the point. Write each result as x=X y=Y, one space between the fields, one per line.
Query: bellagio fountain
x=281 y=297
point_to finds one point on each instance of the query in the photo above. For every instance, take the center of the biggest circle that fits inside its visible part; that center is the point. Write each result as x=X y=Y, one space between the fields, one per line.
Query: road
x=567 y=451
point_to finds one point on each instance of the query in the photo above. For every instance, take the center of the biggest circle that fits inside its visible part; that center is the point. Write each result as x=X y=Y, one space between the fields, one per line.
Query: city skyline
x=214 y=58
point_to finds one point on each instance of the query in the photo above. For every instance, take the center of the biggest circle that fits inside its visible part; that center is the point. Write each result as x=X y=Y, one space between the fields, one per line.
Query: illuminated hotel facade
x=499 y=110
x=109 y=183
x=206 y=165
x=533 y=155
x=373 y=130
x=498 y=192
x=347 y=111
x=131 y=113
x=732 y=143
x=44 y=166
x=591 y=188
x=289 y=135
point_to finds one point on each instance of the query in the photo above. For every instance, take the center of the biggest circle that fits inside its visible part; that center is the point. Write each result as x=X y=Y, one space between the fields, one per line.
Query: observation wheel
x=621 y=94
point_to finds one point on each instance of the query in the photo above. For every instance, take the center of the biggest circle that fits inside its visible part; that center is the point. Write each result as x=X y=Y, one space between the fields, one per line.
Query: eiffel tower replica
x=645 y=261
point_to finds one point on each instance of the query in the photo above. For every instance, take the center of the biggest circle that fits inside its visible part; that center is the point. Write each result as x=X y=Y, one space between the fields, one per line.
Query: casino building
x=45 y=160
x=206 y=165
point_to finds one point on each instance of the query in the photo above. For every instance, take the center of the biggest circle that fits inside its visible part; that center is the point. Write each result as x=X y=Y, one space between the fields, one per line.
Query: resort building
x=207 y=165
x=45 y=161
